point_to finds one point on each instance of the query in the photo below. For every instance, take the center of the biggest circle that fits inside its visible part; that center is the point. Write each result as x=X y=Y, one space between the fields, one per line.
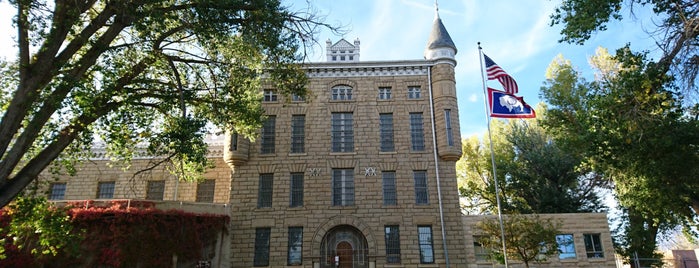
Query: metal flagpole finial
x=436 y=7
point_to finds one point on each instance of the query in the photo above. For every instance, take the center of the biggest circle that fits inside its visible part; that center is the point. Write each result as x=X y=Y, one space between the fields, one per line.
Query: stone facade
x=577 y=225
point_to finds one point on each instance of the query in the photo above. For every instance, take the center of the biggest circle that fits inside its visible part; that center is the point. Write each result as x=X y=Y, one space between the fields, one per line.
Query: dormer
x=342 y=51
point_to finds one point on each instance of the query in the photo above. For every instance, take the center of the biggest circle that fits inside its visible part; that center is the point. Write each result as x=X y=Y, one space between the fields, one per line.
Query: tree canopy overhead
x=141 y=72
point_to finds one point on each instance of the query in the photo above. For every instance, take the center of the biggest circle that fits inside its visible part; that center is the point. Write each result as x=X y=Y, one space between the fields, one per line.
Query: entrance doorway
x=344 y=246
x=344 y=253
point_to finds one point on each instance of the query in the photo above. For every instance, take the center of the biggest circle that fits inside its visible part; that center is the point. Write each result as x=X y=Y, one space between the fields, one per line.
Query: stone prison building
x=360 y=173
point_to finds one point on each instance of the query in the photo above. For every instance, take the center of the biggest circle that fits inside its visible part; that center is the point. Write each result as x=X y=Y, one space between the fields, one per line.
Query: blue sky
x=515 y=34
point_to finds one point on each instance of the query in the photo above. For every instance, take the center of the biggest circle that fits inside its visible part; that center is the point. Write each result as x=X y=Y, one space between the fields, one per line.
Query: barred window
x=414 y=92
x=447 y=120
x=264 y=194
x=234 y=141
x=481 y=252
x=425 y=243
x=296 y=193
x=593 y=246
x=205 y=191
x=343 y=187
x=261 y=257
x=392 y=235
x=417 y=135
x=155 y=190
x=341 y=92
x=342 y=133
x=298 y=136
x=295 y=246
x=267 y=138
x=384 y=93
x=389 y=188
x=386 y=132
x=421 y=197
x=58 y=191
x=105 y=190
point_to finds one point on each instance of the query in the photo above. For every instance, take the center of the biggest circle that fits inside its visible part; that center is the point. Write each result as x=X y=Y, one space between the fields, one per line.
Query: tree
x=534 y=174
x=527 y=238
x=630 y=124
x=154 y=72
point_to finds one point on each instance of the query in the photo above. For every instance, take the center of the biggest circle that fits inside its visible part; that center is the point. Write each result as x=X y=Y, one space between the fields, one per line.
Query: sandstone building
x=360 y=173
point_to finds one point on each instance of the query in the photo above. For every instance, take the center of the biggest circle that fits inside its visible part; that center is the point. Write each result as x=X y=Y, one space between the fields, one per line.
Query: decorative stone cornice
x=367 y=69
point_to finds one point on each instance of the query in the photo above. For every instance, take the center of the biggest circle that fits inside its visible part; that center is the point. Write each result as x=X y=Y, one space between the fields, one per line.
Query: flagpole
x=492 y=157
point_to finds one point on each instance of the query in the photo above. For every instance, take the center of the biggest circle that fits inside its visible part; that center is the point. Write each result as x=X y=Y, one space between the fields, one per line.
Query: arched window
x=344 y=246
x=341 y=92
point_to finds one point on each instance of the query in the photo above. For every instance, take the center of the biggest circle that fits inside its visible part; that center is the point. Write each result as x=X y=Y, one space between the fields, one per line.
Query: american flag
x=495 y=72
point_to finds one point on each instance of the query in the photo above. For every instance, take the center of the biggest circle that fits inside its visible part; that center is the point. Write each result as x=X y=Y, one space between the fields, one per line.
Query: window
x=414 y=92
x=447 y=121
x=298 y=136
x=593 y=246
x=384 y=93
x=270 y=95
x=297 y=98
x=105 y=190
x=58 y=191
x=295 y=246
x=425 y=243
x=566 y=247
x=342 y=132
x=421 y=197
x=234 y=141
x=296 y=193
x=389 y=187
x=343 y=187
x=155 y=190
x=386 y=132
x=392 y=235
x=261 y=257
x=481 y=252
x=264 y=193
x=341 y=92
x=417 y=135
x=205 y=191
x=267 y=138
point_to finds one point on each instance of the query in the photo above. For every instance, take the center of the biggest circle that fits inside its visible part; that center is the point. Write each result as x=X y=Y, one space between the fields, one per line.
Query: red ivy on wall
x=136 y=234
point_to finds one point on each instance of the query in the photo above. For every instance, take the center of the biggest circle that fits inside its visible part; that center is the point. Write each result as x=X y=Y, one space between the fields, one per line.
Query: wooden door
x=344 y=251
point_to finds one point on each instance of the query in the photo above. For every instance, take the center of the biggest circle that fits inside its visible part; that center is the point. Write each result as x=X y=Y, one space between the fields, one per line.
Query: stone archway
x=344 y=246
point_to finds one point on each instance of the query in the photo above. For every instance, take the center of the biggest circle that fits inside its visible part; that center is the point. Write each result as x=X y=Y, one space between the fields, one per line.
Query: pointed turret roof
x=439 y=37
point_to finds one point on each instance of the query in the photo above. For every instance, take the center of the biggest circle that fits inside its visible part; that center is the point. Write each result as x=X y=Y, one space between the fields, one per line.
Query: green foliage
x=132 y=73
x=39 y=229
x=534 y=174
x=527 y=238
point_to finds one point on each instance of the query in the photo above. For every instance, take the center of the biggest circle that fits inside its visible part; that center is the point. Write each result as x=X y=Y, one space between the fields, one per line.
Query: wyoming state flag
x=505 y=105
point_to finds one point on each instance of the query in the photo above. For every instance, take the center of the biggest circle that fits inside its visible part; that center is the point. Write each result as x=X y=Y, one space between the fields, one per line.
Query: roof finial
x=436 y=8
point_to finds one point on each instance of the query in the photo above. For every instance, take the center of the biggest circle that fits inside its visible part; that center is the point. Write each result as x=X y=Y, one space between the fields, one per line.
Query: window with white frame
x=414 y=92
x=297 y=98
x=384 y=93
x=341 y=92
x=593 y=246
x=269 y=95
x=566 y=246
x=342 y=132
x=343 y=187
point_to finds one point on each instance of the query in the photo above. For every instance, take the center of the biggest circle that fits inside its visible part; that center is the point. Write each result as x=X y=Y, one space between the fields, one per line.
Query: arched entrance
x=344 y=246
